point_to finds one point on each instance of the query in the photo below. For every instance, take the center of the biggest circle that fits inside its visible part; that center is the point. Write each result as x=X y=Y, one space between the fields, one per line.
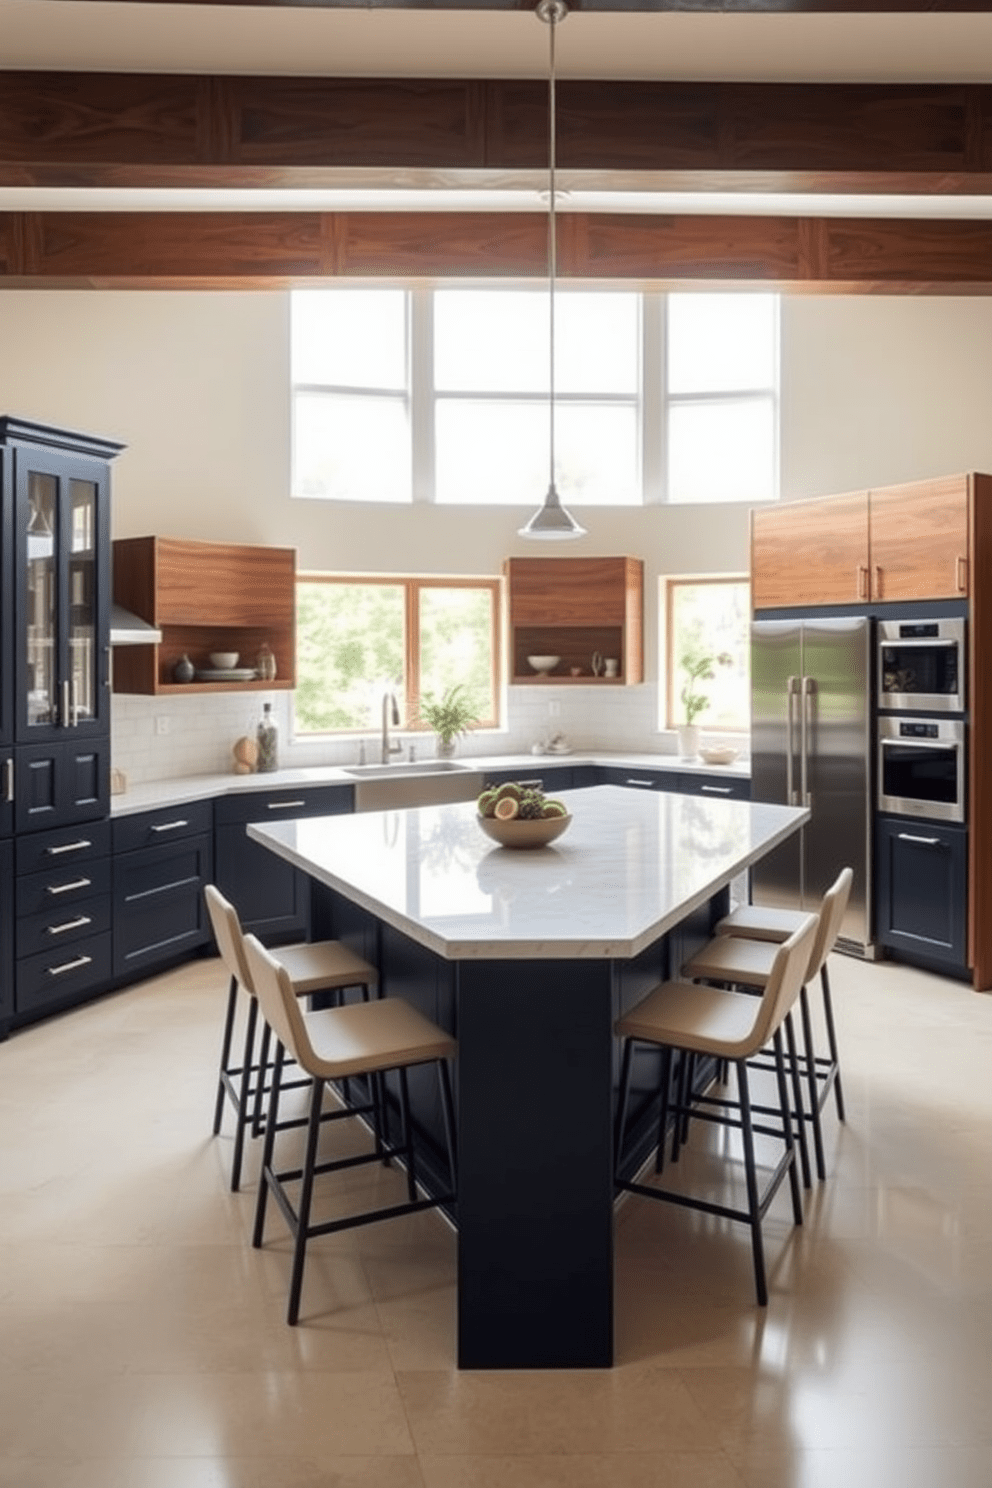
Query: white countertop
x=630 y=867
x=163 y=793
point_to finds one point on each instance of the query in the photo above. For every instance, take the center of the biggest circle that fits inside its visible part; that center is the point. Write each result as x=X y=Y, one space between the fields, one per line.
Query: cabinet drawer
x=159 y=911
x=322 y=800
x=64 y=886
x=61 y=973
x=637 y=779
x=725 y=790
x=62 y=925
x=63 y=848
x=167 y=824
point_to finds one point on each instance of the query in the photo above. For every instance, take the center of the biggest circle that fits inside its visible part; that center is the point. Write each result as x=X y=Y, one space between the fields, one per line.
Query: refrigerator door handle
x=791 y=688
x=807 y=691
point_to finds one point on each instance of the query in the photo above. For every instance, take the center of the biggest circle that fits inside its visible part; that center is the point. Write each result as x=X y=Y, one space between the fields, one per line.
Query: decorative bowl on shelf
x=543 y=664
x=718 y=754
x=224 y=661
x=537 y=832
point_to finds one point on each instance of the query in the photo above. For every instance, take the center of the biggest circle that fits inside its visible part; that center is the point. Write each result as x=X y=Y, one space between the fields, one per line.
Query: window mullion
x=412 y=591
x=652 y=412
x=422 y=393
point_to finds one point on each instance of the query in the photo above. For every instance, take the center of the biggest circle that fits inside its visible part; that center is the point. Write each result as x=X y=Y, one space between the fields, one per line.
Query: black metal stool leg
x=271 y=1123
x=828 y=1015
x=814 y=1094
x=241 y=1120
x=797 y=1096
x=258 y=1105
x=225 y=1052
x=666 y=1096
x=448 y=1112
x=306 y=1199
x=787 y=1132
x=620 y=1123
x=753 y=1205
x=411 y=1170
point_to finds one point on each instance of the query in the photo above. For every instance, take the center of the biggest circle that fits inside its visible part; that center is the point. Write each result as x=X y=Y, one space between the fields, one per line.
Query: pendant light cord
x=552 y=18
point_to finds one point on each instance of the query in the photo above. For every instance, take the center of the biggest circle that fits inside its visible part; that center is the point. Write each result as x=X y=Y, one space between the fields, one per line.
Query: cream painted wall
x=874 y=390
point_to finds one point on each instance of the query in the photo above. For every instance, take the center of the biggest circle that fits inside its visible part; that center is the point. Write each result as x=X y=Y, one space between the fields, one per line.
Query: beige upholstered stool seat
x=366 y=1036
x=731 y=1026
x=727 y=959
x=312 y=967
x=367 y=1039
x=759 y=922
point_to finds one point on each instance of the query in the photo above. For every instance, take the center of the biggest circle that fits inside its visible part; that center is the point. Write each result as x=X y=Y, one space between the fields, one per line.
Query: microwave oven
x=922 y=666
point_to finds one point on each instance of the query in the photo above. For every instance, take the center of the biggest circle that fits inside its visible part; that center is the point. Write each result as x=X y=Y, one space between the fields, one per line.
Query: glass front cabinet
x=58 y=483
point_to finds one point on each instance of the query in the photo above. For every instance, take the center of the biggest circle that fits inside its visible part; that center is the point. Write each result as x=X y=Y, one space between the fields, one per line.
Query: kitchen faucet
x=389 y=707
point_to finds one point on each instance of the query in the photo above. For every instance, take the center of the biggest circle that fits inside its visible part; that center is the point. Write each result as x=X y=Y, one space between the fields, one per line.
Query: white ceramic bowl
x=532 y=833
x=718 y=754
x=224 y=661
x=543 y=663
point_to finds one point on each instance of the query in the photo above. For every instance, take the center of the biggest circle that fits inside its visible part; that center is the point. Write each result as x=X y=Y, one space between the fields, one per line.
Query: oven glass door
x=920 y=674
x=922 y=778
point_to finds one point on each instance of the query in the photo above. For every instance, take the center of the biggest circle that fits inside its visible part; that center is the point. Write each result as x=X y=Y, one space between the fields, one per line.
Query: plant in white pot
x=698 y=667
x=450 y=716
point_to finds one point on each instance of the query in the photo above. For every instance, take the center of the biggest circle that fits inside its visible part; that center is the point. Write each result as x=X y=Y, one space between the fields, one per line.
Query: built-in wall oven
x=921 y=666
x=921 y=768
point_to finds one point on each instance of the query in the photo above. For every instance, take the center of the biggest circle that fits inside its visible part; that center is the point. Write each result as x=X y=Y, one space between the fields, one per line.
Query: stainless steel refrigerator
x=811 y=745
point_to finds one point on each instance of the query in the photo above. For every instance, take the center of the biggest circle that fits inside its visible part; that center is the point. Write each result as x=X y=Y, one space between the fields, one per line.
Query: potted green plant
x=449 y=716
x=698 y=667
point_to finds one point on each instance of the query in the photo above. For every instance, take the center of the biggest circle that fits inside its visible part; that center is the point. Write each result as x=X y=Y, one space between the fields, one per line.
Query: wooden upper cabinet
x=919 y=540
x=576 y=609
x=225 y=584
x=811 y=552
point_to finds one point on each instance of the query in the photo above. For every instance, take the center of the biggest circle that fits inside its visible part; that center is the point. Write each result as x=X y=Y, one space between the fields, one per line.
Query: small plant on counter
x=449 y=716
x=698 y=667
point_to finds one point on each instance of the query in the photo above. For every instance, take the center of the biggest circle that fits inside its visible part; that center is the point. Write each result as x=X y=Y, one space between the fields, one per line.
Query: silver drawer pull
x=631 y=781
x=284 y=805
x=8 y=770
x=169 y=826
x=717 y=790
x=76 y=924
x=56 y=852
x=75 y=965
x=911 y=837
x=77 y=883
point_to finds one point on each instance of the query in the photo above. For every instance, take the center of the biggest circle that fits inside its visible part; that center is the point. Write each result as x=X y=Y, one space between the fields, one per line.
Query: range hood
x=130 y=630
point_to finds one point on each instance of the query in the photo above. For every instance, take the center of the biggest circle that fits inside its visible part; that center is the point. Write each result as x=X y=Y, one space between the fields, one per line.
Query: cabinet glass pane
x=82 y=599
x=42 y=702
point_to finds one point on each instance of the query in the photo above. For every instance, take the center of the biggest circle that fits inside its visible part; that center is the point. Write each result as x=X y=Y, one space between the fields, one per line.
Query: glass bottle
x=268 y=742
x=266 y=663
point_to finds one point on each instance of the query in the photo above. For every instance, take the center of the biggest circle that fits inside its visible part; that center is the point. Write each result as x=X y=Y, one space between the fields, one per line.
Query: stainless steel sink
x=415 y=767
x=427 y=783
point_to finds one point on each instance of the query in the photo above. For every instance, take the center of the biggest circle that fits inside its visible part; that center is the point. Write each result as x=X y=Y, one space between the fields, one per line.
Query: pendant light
x=552 y=521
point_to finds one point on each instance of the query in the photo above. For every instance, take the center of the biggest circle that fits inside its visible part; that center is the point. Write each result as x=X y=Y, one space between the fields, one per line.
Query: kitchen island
x=529 y=957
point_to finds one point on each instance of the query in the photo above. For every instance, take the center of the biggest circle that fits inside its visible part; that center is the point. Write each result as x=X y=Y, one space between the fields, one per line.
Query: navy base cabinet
x=162 y=862
x=921 y=887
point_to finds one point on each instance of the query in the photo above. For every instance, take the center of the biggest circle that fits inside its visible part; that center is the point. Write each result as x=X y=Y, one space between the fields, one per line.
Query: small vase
x=444 y=748
x=184 y=670
x=689 y=740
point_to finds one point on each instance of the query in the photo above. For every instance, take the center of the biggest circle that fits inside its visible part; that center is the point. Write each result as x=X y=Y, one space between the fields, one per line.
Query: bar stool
x=316 y=966
x=743 y=951
x=364 y=1038
x=701 y=1020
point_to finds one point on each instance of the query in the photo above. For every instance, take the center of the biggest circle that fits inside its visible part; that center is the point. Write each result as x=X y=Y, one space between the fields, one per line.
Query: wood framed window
x=707 y=615
x=360 y=636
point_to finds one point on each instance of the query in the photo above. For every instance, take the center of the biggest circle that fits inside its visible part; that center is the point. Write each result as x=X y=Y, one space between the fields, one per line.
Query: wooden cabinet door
x=811 y=553
x=919 y=540
x=568 y=591
x=224 y=584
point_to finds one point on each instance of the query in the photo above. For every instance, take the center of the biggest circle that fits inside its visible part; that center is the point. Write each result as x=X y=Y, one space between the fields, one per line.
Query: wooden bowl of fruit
x=518 y=814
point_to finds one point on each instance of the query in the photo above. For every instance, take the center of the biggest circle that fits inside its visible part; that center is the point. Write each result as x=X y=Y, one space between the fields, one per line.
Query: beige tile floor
x=142 y=1341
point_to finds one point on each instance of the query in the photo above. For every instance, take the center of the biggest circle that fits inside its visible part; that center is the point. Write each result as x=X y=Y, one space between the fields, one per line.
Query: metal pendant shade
x=552 y=520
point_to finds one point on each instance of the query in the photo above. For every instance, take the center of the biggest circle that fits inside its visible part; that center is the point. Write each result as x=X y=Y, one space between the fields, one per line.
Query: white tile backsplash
x=201 y=729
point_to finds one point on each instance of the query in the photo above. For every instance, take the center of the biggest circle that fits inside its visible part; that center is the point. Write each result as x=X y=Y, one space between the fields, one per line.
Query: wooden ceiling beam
x=141 y=130
x=269 y=250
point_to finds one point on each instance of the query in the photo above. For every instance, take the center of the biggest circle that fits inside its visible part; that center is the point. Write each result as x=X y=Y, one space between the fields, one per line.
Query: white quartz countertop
x=175 y=792
x=630 y=867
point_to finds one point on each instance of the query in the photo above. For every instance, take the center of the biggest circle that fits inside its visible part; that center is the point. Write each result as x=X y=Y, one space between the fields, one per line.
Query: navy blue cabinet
x=921 y=890
x=272 y=898
x=681 y=782
x=6 y=936
x=163 y=860
x=62 y=932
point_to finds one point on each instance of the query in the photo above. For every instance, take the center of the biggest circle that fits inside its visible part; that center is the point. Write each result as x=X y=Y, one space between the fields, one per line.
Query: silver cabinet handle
x=172 y=826
x=631 y=781
x=56 y=852
x=76 y=924
x=912 y=837
x=74 y=705
x=77 y=883
x=8 y=775
x=284 y=805
x=716 y=790
x=74 y=965
x=66 y=706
